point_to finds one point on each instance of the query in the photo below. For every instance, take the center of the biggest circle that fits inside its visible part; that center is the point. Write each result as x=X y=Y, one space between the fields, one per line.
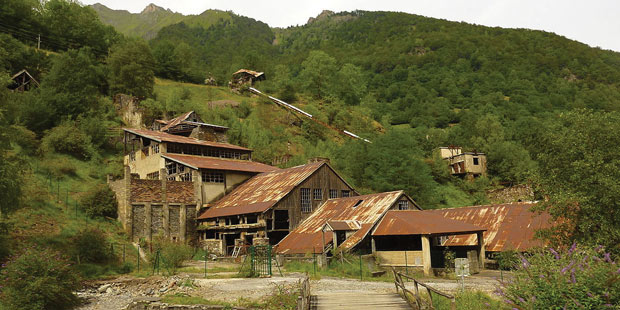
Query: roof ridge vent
x=358 y=203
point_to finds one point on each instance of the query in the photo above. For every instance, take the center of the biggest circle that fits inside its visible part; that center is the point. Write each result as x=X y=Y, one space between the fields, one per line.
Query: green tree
x=579 y=175
x=71 y=87
x=131 y=67
x=39 y=280
x=318 y=73
x=350 y=84
x=12 y=167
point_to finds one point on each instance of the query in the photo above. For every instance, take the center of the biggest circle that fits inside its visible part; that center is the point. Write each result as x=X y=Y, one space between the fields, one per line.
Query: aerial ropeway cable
x=306 y=114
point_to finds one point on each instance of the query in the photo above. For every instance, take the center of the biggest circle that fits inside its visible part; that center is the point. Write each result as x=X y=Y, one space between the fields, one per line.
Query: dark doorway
x=249 y=239
x=280 y=219
x=276 y=236
x=229 y=240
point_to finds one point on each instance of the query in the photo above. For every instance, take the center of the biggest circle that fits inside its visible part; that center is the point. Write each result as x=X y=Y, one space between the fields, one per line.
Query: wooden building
x=191 y=125
x=343 y=223
x=23 y=81
x=245 y=77
x=268 y=206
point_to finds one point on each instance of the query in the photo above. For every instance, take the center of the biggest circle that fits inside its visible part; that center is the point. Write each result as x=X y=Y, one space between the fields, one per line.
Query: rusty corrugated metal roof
x=510 y=226
x=177 y=120
x=263 y=190
x=166 y=137
x=414 y=222
x=308 y=236
x=202 y=162
x=344 y=225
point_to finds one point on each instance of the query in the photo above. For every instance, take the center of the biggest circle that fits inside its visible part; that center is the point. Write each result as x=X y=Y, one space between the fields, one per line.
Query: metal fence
x=260 y=260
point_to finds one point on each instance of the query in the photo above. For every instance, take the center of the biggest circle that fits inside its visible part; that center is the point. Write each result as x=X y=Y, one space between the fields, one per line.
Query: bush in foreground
x=575 y=279
x=171 y=254
x=38 y=279
x=90 y=246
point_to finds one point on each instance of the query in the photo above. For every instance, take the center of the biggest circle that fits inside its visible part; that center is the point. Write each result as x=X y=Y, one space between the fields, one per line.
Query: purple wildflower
x=521 y=300
x=557 y=256
x=607 y=257
x=572 y=248
x=618 y=271
x=565 y=269
x=598 y=248
x=572 y=277
x=590 y=295
x=526 y=264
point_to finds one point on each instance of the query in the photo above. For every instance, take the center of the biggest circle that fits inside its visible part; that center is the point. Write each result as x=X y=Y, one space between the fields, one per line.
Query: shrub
x=68 y=139
x=507 y=260
x=577 y=279
x=172 y=254
x=99 y=201
x=90 y=246
x=38 y=279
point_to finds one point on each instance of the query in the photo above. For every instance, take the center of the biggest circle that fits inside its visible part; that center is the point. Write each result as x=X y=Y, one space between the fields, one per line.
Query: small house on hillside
x=190 y=125
x=343 y=223
x=268 y=206
x=244 y=76
x=23 y=81
x=468 y=164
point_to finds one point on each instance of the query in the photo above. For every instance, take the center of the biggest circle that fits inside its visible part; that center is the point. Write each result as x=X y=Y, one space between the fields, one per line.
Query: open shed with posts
x=413 y=239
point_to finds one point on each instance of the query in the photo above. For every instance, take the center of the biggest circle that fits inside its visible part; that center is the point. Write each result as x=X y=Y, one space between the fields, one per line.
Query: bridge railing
x=303 y=301
x=414 y=298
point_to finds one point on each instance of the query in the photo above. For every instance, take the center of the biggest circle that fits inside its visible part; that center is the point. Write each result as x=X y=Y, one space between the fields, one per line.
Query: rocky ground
x=117 y=293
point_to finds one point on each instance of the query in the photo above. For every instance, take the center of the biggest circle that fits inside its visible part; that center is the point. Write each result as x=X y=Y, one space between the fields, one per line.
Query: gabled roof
x=510 y=226
x=177 y=120
x=408 y=222
x=202 y=162
x=254 y=73
x=25 y=72
x=166 y=137
x=308 y=236
x=183 y=119
x=262 y=191
x=348 y=225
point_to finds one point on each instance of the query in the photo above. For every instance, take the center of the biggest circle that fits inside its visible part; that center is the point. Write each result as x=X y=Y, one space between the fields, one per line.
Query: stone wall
x=127 y=107
x=214 y=246
x=138 y=221
x=511 y=194
x=157 y=220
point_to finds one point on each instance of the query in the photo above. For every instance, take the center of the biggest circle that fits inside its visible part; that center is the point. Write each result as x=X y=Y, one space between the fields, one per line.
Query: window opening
x=333 y=193
x=306 y=205
x=317 y=194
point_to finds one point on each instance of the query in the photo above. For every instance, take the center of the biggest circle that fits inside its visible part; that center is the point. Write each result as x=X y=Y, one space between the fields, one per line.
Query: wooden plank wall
x=324 y=178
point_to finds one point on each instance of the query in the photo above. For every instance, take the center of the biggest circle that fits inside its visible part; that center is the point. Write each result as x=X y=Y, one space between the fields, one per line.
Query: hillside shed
x=23 y=81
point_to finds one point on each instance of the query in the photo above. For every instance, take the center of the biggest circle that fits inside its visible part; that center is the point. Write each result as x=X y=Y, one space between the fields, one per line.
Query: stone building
x=465 y=164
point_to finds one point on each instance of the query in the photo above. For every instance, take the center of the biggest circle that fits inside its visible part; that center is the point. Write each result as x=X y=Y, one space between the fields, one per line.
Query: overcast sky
x=594 y=22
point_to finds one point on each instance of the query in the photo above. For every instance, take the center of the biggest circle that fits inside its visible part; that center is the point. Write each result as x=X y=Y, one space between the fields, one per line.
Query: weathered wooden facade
x=23 y=81
x=191 y=125
x=269 y=205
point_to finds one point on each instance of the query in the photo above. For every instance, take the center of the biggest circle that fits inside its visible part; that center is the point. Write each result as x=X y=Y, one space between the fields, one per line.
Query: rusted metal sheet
x=415 y=222
x=344 y=225
x=509 y=226
x=263 y=190
x=200 y=162
x=177 y=120
x=166 y=137
x=366 y=210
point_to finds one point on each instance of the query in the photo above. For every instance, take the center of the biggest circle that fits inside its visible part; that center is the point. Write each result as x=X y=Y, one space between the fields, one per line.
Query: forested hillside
x=542 y=107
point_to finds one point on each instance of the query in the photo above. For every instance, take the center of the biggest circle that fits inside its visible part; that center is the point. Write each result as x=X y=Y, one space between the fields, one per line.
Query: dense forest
x=542 y=107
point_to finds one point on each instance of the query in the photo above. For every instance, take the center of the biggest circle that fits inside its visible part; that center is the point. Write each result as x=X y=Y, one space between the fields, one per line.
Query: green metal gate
x=260 y=260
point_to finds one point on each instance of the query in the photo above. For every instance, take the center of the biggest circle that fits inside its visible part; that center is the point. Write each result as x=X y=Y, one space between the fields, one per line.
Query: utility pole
x=39 y=42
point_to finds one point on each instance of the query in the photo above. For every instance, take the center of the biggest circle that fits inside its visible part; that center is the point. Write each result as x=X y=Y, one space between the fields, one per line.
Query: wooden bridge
x=357 y=301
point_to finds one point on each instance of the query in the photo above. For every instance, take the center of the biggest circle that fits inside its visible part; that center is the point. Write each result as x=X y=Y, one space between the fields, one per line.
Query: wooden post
x=373 y=246
x=426 y=254
x=481 y=249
